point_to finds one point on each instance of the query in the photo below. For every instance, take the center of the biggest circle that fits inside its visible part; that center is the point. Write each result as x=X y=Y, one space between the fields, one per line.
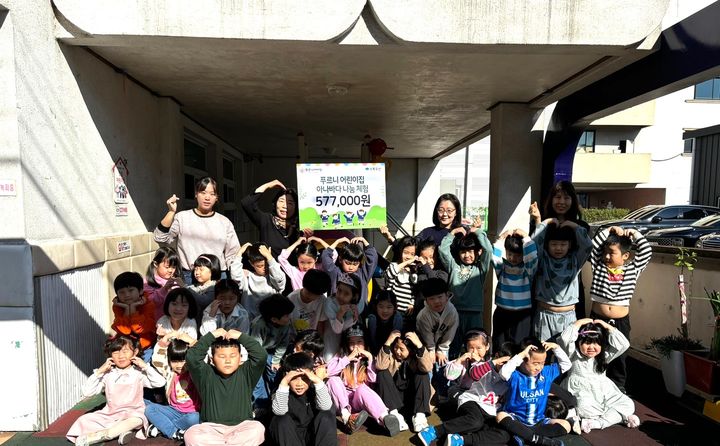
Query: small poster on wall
x=121 y=194
x=341 y=195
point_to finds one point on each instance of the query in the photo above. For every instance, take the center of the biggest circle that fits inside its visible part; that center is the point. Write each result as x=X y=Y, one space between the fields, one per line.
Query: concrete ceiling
x=423 y=99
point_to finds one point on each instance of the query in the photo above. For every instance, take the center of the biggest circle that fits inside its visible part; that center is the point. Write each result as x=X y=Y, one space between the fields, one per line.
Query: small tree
x=685 y=259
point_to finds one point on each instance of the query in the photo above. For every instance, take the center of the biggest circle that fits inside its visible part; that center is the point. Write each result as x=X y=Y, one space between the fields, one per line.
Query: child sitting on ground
x=566 y=247
x=382 y=320
x=182 y=410
x=309 y=301
x=272 y=330
x=466 y=256
x=591 y=346
x=355 y=257
x=302 y=406
x=515 y=262
x=134 y=314
x=225 y=388
x=478 y=391
x=529 y=381
x=350 y=372
x=206 y=271
x=305 y=254
x=613 y=284
x=265 y=279
x=122 y=376
x=225 y=311
x=403 y=381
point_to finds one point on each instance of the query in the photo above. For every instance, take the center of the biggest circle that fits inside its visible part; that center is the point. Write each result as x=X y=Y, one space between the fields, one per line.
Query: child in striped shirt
x=515 y=262
x=401 y=276
x=613 y=283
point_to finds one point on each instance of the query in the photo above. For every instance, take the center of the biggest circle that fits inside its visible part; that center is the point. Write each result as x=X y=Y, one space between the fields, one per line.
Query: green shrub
x=598 y=214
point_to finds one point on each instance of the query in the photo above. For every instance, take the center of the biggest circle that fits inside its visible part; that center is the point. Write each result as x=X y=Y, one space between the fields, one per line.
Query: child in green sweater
x=225 y=388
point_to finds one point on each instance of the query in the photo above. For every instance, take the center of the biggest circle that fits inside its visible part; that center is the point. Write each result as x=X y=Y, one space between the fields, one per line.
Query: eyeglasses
x=442 y=211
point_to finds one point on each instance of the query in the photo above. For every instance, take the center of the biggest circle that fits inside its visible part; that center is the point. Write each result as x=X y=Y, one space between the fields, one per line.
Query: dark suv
x=657 y=216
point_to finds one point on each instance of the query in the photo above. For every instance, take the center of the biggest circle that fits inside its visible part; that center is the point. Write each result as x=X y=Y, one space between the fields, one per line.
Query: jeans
x=169 y=420
x=265 y=385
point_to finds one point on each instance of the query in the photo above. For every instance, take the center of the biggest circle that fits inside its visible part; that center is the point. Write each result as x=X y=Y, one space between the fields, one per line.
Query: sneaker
x=518 y=441
x=419 y=422
x=94 y=438
x=547 y=441
x=126 y=437
x=355 y=421
x=392 y=424
x=403 y=424
x=428 y=436
x=153 y=431
x=454 y=440
x=632 y=421
x=179 y=435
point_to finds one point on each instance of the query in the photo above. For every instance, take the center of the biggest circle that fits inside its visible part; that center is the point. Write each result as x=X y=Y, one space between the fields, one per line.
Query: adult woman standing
x=278 y=229
x=562 y=203
x=200 y=230
x=447 y=216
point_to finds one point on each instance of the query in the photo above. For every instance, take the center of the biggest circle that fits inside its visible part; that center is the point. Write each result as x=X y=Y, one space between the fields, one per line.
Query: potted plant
x=703 y=370
x=670 y=348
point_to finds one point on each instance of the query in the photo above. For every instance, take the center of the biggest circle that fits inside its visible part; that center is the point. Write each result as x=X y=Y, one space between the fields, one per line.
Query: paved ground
x=666 y=420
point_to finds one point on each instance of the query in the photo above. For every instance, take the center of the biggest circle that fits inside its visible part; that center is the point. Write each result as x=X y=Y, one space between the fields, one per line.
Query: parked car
x=656 y=216
x=710 y=241
x=686 y=236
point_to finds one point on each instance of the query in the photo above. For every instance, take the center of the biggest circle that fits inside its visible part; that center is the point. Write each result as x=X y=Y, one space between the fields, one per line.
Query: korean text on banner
x=341 y=195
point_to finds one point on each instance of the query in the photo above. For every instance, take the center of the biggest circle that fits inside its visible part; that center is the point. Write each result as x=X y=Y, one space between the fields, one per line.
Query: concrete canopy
x=421 y=75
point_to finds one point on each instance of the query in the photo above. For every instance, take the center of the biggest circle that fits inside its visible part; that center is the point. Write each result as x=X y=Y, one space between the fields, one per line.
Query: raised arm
x=167 y=230
x=445 y=254
x=487 y=250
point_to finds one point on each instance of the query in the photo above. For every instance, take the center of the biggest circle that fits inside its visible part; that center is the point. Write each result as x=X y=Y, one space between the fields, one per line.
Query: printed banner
x=341 y=195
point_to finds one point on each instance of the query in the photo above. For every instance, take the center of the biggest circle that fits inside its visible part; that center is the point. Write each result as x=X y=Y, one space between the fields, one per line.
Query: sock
x=345 y=415
x=589 y=424
x=632 y=421
x=517 y=428
x=395 y=412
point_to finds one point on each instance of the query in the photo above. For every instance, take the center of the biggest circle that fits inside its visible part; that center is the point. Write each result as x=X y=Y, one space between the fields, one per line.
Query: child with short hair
x=382 y=320
x=613 y=283
x=478 y=389
x=466 y=256
x=206 y=271
x=342 y=311
x=350 y=372
x=134 y=314
x=438 y=321
x=403 y=381
x=515 y=262
x=311 y=342
x=305 y=254
x=122 y=377
x=566 y=247
x=180 y=311
x=265 y=279
x=163 y=274
x=355 y=257
x=309 y=301
x=302 y=406
x=225 y=387
x=225 y=311
x=592 y=345
x=529 y=381
x=182 y=410
x=272 y=330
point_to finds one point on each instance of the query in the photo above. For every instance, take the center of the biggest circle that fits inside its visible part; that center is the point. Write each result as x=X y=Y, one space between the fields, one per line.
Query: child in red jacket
x=134 y=313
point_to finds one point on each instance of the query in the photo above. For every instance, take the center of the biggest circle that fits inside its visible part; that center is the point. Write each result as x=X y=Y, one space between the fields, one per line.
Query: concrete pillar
x=515 y=166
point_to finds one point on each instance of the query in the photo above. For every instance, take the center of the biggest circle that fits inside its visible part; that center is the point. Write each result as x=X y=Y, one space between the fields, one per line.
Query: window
x=692 y=214
x=710 y=89
x=689 y=146
x=587 y=142
x=195 y=167
x=228 y=189
x=668 y=213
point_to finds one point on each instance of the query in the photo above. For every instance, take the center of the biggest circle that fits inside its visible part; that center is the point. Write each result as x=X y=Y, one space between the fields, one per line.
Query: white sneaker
x=419 y=422
x=401 y=420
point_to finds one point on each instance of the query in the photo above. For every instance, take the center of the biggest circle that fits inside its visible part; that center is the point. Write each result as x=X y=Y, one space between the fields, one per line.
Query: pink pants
x=361 y=398
x=247 y=433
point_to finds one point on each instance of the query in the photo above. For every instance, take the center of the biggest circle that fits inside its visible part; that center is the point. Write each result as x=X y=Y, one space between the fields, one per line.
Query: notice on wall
x=123 y=247
x=121 y=195
x=341 y=195
x=8 y=188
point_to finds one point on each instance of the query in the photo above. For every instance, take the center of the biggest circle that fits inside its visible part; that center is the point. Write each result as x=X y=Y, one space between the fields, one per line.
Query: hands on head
x=226 y=334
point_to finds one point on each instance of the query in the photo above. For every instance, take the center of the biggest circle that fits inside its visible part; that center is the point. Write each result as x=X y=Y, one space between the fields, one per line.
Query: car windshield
x=711 y=221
